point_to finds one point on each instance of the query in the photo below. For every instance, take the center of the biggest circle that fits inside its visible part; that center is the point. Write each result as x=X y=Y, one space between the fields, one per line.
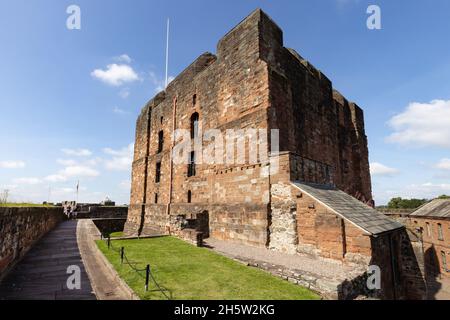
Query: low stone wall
x=110 y=225
x=96 y=212
x=328 y=288
x=20 y=228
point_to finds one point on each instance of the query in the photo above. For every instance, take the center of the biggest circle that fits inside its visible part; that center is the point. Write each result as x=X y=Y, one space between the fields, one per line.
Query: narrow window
x=160 y=141
x=428 y=229
x=194 y=125
x=189 y=196
x=444 y=261
x=162 y=119
x=440 y=233
x=194 y=100
x=156 y=198
x=191 y=166
x=158 y=172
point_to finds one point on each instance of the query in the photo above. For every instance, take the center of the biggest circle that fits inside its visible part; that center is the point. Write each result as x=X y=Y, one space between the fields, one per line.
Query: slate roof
x=350 y=209
x=438 y=208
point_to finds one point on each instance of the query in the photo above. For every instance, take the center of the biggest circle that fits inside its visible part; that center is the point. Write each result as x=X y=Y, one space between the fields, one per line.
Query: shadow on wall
x=350 y=290
x=432 y=273
x=400 y=258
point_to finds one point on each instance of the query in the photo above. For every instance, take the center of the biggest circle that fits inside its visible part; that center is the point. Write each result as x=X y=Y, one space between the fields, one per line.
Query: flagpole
x=78 y=186
x=167 y=52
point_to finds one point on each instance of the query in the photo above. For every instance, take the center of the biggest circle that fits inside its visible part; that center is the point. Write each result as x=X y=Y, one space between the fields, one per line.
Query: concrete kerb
x=106 y=264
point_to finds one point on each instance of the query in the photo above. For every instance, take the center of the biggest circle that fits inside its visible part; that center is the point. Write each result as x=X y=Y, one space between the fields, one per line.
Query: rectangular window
x=428 y=229
x=156 y=198
x=444 y=260
x=158 y=172
x=160 y=141
x=440 y=233
x=191 y=166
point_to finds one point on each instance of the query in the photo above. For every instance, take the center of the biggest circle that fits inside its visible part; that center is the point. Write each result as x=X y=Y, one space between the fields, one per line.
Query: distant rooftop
x=438 y=208
x=349 y=208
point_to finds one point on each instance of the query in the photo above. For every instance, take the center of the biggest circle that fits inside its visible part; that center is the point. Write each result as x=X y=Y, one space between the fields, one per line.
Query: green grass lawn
x=116 y=234
x=21 y=205
x=194 y=273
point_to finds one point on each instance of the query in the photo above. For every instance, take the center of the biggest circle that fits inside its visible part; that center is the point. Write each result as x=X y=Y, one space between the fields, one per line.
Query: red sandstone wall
x=316 y=122
x=322 y=232
x=433 y=246
x=20 y=228
x=222 y=102
x=254 y=82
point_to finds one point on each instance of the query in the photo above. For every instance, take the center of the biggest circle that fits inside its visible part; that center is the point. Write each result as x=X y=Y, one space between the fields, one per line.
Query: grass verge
x=193 y=273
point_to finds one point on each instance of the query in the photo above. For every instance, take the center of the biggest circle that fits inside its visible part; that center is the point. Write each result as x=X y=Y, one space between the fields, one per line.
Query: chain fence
x=133 y=265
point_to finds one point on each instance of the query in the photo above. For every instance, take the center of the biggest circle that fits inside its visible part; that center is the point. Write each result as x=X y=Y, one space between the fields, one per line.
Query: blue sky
x=69 y=98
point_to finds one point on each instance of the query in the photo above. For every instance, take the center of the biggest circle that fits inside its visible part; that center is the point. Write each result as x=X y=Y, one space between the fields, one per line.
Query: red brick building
x=289 y=201
x=432 y=220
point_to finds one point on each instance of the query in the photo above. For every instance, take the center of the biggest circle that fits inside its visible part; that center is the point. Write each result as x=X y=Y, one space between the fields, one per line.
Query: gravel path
x=320 y=267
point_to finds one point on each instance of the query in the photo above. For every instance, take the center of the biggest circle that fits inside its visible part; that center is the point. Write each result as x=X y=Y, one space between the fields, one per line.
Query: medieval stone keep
x=311 y=194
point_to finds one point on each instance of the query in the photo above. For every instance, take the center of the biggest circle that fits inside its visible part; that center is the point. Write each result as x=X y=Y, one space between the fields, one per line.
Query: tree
x=399 y=203
x=4 y=196
x=444 y=196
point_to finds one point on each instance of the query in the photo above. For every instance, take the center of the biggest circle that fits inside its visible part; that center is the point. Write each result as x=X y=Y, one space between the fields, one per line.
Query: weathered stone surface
x=20 y=228
x=254 y=82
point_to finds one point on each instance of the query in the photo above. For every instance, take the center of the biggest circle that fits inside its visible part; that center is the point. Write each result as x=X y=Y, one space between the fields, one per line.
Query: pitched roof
x=350 y=209
x=438 y=208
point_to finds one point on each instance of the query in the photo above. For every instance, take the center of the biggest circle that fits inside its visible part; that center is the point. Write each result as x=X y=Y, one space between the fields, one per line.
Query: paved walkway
x=320 y=267
x=42 y=274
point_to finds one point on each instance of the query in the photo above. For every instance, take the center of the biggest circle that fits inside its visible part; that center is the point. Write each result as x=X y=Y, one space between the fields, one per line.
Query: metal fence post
x=122 y=252
x=147 y=275
x=109 y=242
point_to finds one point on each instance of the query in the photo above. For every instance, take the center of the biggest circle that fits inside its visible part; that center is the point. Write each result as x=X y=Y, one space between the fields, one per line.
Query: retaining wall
x=20 y=228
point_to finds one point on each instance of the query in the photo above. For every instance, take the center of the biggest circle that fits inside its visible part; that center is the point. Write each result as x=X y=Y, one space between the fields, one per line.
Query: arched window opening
x=194 y=100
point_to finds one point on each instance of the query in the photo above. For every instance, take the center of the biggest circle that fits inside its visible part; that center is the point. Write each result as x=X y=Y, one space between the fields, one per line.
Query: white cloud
x=123 y=58
x=56 y=178
x=30 y=181
x=116 y=74
x=378 y=169
x=79 y=171
x=427 y=190
x=158 y=82
x=77 y=152
x=125 y=184
x=121 y=160
x=117 y=110
x=12 y=164
x=124 y=93
x=444 y=164
x=422 y=124
x=66 y=162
